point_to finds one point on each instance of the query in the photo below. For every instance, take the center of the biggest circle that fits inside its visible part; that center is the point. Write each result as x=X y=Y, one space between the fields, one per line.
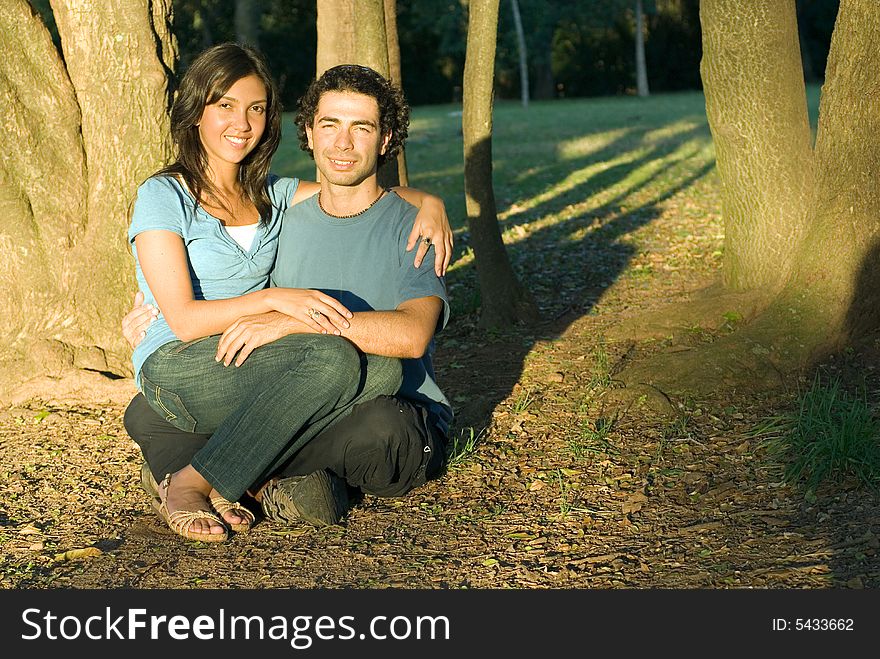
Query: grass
x=831 y=436
x=593 y=437
x=464 y=445
x=557 y=157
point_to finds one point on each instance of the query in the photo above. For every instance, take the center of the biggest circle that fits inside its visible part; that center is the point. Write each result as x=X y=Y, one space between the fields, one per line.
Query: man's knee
x=138 y=417
x=396 y=450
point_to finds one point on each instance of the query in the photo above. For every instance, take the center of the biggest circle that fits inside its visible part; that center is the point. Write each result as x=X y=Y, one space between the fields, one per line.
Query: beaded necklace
x=360 y=212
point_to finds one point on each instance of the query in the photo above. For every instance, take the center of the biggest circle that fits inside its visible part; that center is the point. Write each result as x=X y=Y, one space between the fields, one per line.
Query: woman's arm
x=163 y=260
x=431 y=225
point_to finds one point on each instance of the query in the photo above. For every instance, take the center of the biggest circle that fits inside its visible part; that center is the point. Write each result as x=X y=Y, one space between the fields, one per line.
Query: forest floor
x=544 y=491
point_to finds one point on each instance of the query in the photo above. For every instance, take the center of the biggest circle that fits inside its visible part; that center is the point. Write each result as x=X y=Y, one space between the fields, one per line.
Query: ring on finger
x=426 y=240
x=314 y=314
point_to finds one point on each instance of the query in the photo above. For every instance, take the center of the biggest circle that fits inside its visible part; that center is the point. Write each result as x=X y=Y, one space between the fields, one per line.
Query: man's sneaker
x=320 y=498
x=148 y=483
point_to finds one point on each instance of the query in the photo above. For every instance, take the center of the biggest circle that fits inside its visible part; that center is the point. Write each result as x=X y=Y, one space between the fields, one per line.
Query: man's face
x=345 y=137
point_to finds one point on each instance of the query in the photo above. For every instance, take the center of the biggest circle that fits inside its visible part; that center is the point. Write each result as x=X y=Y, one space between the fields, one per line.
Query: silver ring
x=313 y=314
x=426 y=240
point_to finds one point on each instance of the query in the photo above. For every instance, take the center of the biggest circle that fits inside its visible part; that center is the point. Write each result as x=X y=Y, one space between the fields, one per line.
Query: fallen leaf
x=30 y=529
x=73 y=554
x=535 y=486
x=634 y=503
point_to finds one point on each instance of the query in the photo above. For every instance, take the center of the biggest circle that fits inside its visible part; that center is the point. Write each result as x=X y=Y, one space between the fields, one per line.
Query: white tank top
x=243 y=235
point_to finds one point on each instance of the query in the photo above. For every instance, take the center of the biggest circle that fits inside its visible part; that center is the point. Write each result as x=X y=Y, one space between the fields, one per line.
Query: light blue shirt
x=219 y=268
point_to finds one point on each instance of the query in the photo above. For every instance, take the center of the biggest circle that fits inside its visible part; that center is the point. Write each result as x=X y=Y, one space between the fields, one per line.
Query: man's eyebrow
x=356 y=122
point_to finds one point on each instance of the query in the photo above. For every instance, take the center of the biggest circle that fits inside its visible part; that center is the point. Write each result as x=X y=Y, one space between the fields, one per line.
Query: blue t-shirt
x=362 y=262
x=219 y=268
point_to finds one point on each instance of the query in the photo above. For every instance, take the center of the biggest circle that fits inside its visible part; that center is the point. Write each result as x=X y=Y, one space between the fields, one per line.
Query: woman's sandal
x=180 y=521
x=222 y=506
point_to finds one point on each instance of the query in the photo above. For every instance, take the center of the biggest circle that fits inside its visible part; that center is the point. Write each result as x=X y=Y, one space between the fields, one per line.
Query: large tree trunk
x=842 y=282
x=504 y=301
x=757 y=110
x=355 y=33
x=81 y=135
x=801 y=223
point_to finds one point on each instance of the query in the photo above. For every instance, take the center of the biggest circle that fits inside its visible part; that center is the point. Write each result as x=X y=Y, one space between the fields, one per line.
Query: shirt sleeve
x=414 y=283
x=159 y=205
x=282 y=190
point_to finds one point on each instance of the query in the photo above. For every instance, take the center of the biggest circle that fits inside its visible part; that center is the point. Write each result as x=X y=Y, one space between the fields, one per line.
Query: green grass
x=557 y=153
x=550 y=154
x=832 y=436
x=464 y=445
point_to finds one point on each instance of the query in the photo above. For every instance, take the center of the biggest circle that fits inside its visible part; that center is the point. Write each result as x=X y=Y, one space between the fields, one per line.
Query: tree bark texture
x=757 y=111
x=838 y=264
x=87 y=130
x=356 y=33
x=352 y=33
x=504 y=301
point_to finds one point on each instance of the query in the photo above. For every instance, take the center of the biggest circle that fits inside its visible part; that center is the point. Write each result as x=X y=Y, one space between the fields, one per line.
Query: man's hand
x=250 y=332
x=136 y=321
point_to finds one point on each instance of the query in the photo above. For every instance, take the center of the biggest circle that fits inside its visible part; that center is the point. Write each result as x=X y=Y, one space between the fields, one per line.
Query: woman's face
x=232 y=127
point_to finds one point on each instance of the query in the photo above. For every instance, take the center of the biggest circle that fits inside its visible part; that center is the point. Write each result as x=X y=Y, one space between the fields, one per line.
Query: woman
x=205 y=230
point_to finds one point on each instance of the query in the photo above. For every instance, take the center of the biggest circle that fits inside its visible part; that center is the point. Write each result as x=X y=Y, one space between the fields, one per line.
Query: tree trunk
x=247 y=22
x=641 y=67
x=352 y=33
x=504 y=301
x=801 y=223
x=355 y=33
x=843 y=284
x=757 y=113
x=87 y=131
x=395 y=73
x=523 y=55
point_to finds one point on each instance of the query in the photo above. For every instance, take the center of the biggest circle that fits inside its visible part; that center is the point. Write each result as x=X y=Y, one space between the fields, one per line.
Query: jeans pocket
x=168 y=405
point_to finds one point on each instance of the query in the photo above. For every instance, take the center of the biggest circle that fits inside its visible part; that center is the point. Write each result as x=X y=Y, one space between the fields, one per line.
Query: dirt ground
x=545 y=492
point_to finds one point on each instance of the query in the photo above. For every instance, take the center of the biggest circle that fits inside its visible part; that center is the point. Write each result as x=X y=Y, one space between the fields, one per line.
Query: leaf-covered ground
x=547 y=490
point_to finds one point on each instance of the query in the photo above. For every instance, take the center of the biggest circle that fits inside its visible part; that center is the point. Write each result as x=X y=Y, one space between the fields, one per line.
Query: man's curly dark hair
x=393 y=110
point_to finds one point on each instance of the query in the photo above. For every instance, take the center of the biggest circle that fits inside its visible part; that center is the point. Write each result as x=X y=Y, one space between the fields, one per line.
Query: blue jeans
x=264 y=411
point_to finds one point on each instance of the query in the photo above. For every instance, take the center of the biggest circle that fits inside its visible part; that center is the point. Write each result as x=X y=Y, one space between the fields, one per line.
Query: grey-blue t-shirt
x=362 y=262
x=219 y=268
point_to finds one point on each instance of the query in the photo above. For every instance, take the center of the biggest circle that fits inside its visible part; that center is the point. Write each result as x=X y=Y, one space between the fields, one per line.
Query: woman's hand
x=136 y=321
x=431 y=227
x=317 y=310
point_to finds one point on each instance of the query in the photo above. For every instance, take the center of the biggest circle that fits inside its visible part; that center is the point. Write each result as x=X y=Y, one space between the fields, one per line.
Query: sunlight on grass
x=590 y=144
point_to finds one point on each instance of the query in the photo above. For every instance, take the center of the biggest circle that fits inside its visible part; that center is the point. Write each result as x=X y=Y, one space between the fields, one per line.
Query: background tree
x=523 y=54
x=504 y=301
x=356 y=33
x=248 y=14
x=641 y=68
x=81 y=133
x=801 y=224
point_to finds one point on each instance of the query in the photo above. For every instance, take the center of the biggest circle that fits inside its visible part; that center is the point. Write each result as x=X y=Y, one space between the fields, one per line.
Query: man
x=349 y=241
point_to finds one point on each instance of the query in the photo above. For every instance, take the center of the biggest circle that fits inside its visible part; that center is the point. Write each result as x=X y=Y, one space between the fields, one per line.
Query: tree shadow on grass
x=567 y=264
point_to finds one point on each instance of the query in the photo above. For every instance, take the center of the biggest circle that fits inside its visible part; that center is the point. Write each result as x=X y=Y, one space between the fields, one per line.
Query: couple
x=341 y=391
